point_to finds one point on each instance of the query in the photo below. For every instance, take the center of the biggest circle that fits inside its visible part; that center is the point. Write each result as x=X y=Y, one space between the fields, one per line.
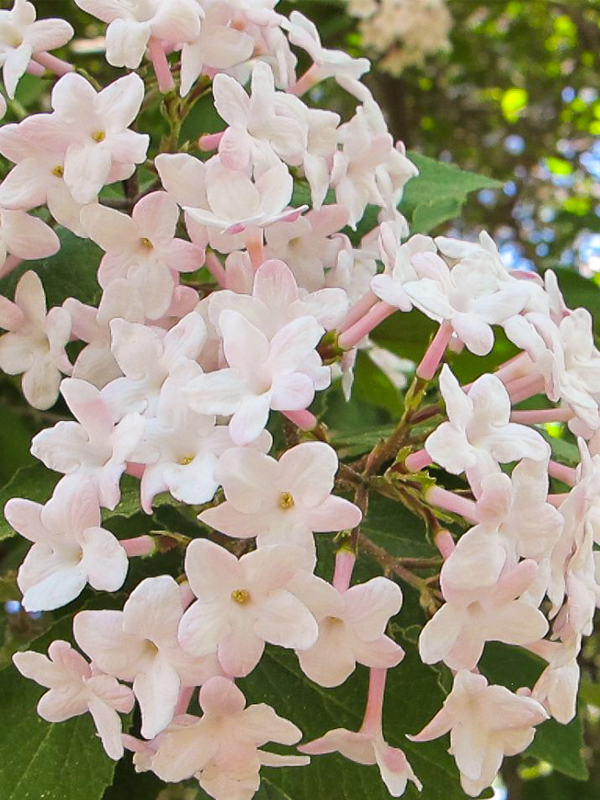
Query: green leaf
x=559 y=745
x=64 y=761
x=373 y=385
x=438 y=193
x=391 y=525
x=350 y=444
x=69 y=273
x=34 y=483
x=413 y=696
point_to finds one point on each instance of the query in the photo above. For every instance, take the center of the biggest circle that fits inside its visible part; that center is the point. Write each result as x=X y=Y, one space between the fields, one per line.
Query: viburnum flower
x=180 y=449
x=281 y=374
x=23 y=38
x=276 y=300
x=557 y=687
x=478 y=435
x=37 y=179
x=147 y=356
x=280 y=501
x=75 y=689
x=244 y=603
x=308 y=245
x=221 y=748
x=25 y=236
x=351 y=627
x=486 y=723
x=93 y=445
x=459 y=630
x=399 y=270
x=92 y=129
x=70 y=547
x=142 y=248
x=132 y=24
x=35 y=342
x=368 y=745
x=96 y=363
x=327 y=63
x=139 y=645
x=258 y=132
x=220 y=45
x=469 y=296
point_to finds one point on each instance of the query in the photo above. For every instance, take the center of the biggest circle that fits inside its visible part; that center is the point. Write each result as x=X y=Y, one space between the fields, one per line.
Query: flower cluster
x=403 y=32
x=177 y=387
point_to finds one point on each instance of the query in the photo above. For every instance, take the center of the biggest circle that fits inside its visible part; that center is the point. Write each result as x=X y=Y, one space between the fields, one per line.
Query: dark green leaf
x=69 y=273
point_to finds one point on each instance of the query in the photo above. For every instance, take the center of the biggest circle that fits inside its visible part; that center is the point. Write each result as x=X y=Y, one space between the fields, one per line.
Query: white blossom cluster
x=176 y=387
x=402 y=33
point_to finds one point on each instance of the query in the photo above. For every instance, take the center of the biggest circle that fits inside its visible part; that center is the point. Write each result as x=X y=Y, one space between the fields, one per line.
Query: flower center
x=286 y=500
x=333 y=622
x=99 y=136
x=146 y=242
x=186 y=460
x=151 y=648
x=241 y=596
x=58 y=171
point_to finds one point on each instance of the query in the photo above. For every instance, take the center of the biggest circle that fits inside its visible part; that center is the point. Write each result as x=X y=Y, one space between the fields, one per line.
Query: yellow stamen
x=186 y=460
x=146 y=242
x=99 y=136
x=286 y=500
x=241 y=596
x=58 y=171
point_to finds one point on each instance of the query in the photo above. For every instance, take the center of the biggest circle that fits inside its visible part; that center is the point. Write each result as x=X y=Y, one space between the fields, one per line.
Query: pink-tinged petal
x=331 y=660
x=240 y=650
x=47 y=582
x=15 y=65
x=292 y=392
x=211 y=570
x=108 y=725
x=248 y=477
x=250 y=419
x=469 y=746
x=275 y=284
x=184 y=751
x=440 y=634
x=183 y=177
x=113 y=231
x=231 y=194
x=477 y=335
x=242 y=341
x=30 y=297
x=104 y=560
x=38 y=668
x=120 y=101
x=231 y=101
x=219 y=696
x=16 y=353
x=220 y=392
x=28 y=237
x=59 y=705
x=275 y=186
x=381 y=653
x=88 y=406
x=179 y=21
x=235 y=148
x=227 y=519
x=260 y=724
x=448 y=447
x=285 y=621
x=156 y=214
x=516 y=623
x=24 y=187
x=293 y=343
x=157 y=692
x=370 y=605
x=183 y=256
x=100 y=635
x=155 y=283
x=458 y=404
x=308 y=469
x=154 y=609
x=72 y=508
x=11 y=315
x=111 y=692
x=86 y=170
x=49 y=131
x=333 y=514
x=202 y=627
x=394 y=768
x=129 y=148
x=186 y=339
x=126 y=42
x=515 y=442
x=25 y=517
x=63 y=208
x=48 y=34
